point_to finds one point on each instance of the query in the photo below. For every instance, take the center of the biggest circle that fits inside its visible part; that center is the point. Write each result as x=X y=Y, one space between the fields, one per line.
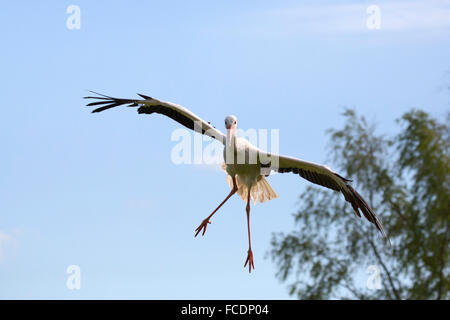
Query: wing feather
x=324 y=176
x=151 y=105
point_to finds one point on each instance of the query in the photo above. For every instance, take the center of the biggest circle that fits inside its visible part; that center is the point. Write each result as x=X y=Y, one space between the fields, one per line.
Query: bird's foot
x=202 y=226
x=249 y=261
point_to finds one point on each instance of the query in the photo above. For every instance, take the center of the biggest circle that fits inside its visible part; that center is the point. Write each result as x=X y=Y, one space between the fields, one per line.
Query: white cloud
x=352 y=17
x=414 y=15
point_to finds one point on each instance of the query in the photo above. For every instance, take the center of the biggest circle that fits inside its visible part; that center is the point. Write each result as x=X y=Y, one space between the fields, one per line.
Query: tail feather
x=261 y=191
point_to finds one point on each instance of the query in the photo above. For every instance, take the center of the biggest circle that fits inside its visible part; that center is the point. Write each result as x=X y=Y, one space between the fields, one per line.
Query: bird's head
x=230 y=124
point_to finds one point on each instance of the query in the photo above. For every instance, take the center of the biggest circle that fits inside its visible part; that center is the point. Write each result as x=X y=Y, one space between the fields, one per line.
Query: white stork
x=247 y=178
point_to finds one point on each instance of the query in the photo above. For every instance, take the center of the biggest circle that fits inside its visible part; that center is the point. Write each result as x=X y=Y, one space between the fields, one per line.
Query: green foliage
x=406 y=179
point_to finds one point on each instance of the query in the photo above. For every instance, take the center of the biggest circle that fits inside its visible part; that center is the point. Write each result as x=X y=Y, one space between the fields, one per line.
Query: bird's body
x=249 y=174
x=246 y=165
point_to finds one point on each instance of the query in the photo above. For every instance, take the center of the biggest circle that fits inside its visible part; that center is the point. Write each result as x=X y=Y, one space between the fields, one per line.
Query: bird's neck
x=231 y=137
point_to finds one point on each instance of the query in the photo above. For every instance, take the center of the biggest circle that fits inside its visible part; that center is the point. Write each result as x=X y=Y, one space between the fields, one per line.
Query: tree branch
x=391 y=282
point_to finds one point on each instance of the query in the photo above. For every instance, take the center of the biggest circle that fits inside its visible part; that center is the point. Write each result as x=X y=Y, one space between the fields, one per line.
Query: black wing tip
x=144 y=96
x=110 y=102
x=359 y=203
x=98 y=110
x=99 y=95
x=341 y=177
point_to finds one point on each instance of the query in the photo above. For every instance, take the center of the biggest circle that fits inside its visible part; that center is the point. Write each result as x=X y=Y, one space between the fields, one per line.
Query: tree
x=406 y=180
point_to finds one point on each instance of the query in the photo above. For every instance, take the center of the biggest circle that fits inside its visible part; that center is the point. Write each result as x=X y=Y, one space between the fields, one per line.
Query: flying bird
x=246 y=165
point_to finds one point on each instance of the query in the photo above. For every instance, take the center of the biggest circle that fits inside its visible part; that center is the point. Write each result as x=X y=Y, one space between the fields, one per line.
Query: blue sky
x=100 y=191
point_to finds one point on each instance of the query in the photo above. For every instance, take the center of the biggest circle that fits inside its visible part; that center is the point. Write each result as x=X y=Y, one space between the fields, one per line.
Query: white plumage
x=261 y=191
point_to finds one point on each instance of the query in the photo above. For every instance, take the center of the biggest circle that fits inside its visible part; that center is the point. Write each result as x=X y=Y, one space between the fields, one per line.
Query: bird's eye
x=235 y=122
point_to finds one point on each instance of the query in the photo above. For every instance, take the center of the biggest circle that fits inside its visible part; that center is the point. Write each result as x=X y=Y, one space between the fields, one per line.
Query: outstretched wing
x=324 y=176
x=151 y=105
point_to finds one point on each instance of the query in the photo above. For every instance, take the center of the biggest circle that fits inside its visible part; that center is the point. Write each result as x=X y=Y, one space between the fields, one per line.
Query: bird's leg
x=250 y=253
x=205 y=222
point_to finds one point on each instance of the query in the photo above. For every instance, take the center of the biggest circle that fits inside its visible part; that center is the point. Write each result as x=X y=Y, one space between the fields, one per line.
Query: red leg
x=249 y=260
x=205 y=222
